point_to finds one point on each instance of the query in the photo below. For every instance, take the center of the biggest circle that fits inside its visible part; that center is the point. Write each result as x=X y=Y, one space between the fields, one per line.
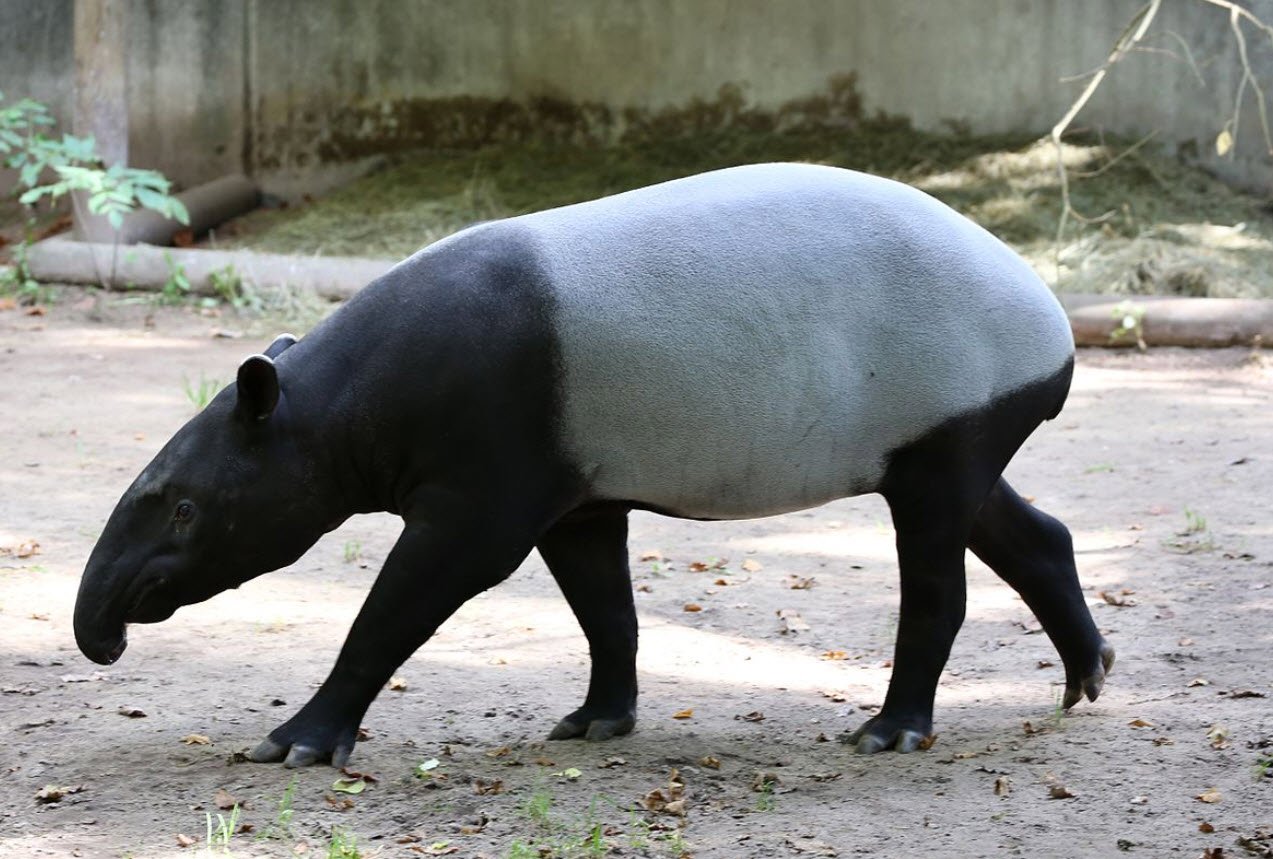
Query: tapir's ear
x=281 y=342
x=258 y=388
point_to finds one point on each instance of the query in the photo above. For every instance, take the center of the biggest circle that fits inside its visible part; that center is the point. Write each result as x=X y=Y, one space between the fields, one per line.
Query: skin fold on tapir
x=736 y=344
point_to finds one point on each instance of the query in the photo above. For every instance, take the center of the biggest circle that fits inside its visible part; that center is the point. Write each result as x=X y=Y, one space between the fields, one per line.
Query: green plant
x=765 y=798
x=1130 y=319
x=282 y=825
x=521 y=850
x=1195 y=522
x=538 y=807
x=228 y=286
x=1058 y=712
x=218 y=837
x=343 y=844
x=201 y=394
x=177 y=286
x=111 y=191
x=353 y=551
x=1263 y=767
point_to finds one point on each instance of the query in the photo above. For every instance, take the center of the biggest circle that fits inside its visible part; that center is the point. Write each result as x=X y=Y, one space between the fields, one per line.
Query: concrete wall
x=300 y=92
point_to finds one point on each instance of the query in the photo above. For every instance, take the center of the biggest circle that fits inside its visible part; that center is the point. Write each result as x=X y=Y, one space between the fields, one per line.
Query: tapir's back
x=759 y=339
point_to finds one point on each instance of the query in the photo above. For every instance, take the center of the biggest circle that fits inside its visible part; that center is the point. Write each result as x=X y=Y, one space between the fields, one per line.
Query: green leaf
x=349 y=785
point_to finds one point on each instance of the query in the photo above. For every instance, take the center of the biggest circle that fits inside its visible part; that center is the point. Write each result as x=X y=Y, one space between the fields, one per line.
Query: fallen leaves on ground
x=1003 y=786
x=51 y=793
x=397 y=684
x=485 y=787
x=224 y=800
x=692 y=607
x=196 y=740
x=752 y=566
x=710 y=762
x=1209 y=796
x=800 y=583
x=687 y=713
x=1120 y=598
x=132 y=712
x=791 y=621
x=753 y=716
x=184 y=840
x=667 y=800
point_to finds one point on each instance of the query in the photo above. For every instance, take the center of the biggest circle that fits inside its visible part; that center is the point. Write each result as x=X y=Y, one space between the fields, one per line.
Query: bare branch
x=1132 y=33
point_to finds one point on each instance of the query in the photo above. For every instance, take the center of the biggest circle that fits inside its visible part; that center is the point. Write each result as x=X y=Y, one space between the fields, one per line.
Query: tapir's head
x=231 y=496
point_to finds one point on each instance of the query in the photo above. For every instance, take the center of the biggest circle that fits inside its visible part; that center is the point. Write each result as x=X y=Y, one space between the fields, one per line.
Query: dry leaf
x=692 y=607
x=223 y=800
x=709 y=762
x=1060 y=791
x=791 y=621
x=184 y=840
x=1044 y=663
x=753 y=716
x=651 y=555
x=927 y=743
x=1140 y=723
x=1119 y=599
x=1198 y=681
x=1224 y=141
x=501 y=752
x=722 y=582
x=27 y=549
x=53 y=793
x=482 y=787
x=1003 y=786
x=397 y=684
x=1209 y=796
x=752 y=566
x=196 y=740
x=132 y=712
x=338 y=803
x=799 y=583
x=837 y=697
x=612 y=762
x=1218 y=736
x=834 y=655
x=684 y=714
x=36 y=310
x=1206 y=828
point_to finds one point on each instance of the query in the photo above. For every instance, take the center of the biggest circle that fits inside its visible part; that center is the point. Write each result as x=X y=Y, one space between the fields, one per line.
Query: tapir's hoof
x=268 y=752
x=880 y=733
x=1091 y=684
x=581 y=724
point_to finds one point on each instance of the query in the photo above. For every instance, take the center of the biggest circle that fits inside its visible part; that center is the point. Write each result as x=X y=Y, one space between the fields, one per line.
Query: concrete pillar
x=101 y=94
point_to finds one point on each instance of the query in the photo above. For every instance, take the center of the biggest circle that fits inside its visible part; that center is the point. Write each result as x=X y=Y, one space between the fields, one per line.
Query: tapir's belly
x=732 y=351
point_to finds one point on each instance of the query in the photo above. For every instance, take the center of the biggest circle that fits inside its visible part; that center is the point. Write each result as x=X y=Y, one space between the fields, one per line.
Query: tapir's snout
x=103 y=651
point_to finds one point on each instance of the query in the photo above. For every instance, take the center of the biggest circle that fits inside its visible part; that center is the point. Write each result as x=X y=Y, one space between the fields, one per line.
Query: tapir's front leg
x=436 y=566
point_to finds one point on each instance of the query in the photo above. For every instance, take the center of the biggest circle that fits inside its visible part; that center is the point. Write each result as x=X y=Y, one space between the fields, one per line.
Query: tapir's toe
x=880 y=733
x=1090 y=684
x=595 y=728
x=268 y=752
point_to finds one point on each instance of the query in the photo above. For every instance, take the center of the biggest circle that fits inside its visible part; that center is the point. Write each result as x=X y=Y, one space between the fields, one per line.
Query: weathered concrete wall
x=296 y=91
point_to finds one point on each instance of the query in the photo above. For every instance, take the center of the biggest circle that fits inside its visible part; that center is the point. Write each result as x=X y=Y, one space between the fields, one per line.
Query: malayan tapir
x=736 y=344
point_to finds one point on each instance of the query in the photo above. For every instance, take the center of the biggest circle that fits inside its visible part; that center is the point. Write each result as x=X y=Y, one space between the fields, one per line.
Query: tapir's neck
x=439 y=376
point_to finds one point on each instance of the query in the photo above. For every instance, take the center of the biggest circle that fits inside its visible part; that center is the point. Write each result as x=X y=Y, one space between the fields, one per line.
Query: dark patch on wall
x=467 y=122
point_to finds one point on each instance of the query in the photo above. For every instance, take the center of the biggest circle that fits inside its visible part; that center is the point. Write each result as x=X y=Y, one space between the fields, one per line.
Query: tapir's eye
x=184 y=511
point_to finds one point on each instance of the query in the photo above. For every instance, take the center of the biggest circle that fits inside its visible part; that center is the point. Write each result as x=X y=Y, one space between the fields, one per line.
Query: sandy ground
x=1161 y=464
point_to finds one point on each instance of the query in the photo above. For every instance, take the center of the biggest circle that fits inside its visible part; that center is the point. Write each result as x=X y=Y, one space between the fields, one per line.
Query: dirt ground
x=1161 y=464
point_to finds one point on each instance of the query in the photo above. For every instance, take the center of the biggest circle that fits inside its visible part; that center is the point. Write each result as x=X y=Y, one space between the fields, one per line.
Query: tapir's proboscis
x=741 y=343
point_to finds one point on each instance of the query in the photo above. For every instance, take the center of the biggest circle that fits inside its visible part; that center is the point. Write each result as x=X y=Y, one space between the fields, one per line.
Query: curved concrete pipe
x=209 y=204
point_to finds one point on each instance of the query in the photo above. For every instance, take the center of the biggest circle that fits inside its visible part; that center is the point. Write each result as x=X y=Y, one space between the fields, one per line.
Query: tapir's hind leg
x=1034 y=554
x=587 y=554
x=932 y=530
